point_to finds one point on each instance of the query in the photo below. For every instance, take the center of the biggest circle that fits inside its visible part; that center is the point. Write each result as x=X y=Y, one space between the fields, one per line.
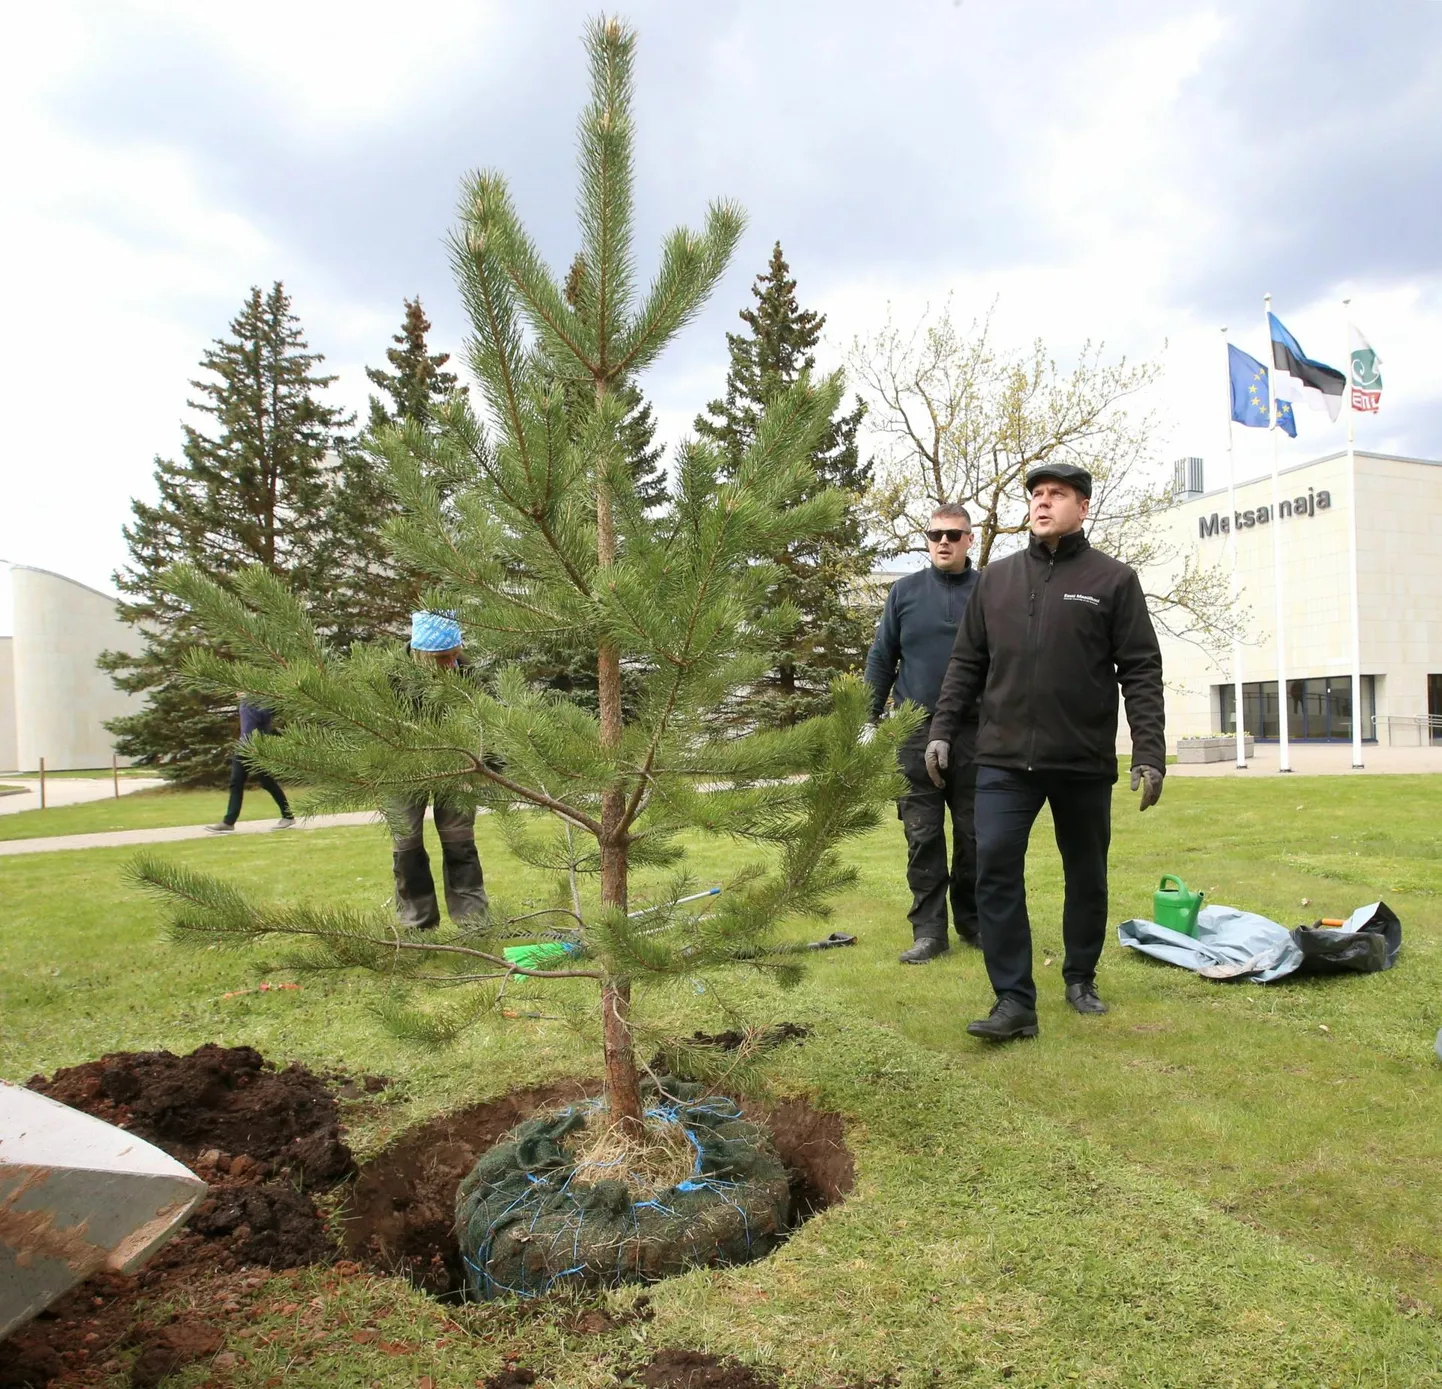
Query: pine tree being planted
x=546 y=537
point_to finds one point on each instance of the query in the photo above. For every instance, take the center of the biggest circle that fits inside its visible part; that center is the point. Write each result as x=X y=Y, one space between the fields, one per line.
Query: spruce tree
x=372 y=594
x=417 y=382
x=822 y=575
x=251 y=491
x=547 y=537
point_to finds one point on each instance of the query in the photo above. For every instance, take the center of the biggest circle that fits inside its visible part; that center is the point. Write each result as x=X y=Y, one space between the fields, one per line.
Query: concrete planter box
x=1212 y=749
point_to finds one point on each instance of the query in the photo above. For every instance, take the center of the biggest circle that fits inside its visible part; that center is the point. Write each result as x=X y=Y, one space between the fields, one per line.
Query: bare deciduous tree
x=957 y=418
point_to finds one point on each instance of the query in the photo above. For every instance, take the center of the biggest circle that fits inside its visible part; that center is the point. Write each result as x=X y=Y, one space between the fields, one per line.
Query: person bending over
x=435 y=638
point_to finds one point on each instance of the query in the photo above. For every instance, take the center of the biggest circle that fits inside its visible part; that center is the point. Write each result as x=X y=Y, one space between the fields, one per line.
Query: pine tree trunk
x=623 y=1083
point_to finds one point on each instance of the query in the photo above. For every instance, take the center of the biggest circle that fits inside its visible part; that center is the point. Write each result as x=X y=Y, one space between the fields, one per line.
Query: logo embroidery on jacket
x=1082 y=598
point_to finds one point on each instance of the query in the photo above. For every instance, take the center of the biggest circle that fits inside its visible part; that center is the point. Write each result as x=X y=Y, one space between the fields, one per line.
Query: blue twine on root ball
x=519 y=1185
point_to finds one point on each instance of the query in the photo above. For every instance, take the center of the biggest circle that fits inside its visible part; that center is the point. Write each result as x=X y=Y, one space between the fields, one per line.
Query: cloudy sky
x=1139 y=173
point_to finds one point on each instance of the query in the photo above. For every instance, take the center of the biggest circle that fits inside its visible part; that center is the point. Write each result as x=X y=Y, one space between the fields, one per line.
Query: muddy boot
x=465 y=883
x=416 y=903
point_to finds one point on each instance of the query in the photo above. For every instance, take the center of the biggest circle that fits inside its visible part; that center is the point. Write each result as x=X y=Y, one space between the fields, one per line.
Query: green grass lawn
x=137 y=810
x=1213 y=1185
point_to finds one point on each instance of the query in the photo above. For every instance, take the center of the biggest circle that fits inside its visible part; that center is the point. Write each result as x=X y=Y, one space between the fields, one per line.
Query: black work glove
x=1152 y=790
x=938 y=758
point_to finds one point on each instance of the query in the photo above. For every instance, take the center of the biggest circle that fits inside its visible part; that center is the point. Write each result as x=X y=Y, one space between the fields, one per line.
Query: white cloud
x=1079 y=166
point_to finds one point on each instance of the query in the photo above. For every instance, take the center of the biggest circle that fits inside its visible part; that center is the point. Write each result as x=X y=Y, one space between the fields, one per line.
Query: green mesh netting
x=527 y=1224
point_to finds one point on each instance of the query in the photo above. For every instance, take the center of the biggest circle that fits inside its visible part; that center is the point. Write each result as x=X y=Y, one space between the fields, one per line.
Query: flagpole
x=1236 y=629
x=1357 y=763
x=1284 y=757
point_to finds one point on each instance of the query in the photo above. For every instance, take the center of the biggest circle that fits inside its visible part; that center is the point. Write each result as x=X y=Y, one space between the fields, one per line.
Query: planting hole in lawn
x=401 y=1214
x=264 y=1141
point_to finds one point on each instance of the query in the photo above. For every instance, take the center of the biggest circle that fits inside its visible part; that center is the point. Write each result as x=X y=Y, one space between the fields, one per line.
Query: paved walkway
x=69 y=790
x=1320 y=759
x=115 y=839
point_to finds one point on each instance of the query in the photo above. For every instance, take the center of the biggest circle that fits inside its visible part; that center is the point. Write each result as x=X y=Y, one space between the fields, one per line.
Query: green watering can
x=1174 y=907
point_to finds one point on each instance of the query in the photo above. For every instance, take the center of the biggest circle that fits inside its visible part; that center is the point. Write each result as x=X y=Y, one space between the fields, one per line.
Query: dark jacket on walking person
x=1049 y=635
x=254 y=718
x=1037 y=661
x=907 y=661
x=916 y=635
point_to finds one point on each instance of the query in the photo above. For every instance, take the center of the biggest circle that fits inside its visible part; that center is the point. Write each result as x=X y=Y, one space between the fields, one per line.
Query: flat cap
x=1068 y=473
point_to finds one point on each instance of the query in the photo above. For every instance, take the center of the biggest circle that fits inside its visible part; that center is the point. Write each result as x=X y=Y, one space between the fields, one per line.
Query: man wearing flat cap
x=1048 y=636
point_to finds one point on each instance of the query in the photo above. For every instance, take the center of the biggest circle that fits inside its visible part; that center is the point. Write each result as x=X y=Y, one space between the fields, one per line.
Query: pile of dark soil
x=693 y=1369
x=264 y=1140
x=261 y=1139
x=217 y=1099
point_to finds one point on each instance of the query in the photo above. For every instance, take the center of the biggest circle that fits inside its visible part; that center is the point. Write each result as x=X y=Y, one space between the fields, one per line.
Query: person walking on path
x=907 y=660
x=1046 y=638
x=435 y=637
x=254 y=718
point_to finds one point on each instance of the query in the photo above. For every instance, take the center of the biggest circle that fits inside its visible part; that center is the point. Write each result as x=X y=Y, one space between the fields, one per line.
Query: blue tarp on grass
x=1234 y=944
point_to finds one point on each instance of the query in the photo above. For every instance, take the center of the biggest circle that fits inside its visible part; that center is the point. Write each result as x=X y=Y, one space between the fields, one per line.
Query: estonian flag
x=1250 y=405
x=1321 y=386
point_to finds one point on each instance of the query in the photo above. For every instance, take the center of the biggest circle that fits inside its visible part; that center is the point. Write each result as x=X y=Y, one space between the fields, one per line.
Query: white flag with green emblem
x=1366 y=373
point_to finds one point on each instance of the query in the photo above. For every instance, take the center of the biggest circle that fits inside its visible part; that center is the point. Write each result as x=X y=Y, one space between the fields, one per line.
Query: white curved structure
x=61 y=700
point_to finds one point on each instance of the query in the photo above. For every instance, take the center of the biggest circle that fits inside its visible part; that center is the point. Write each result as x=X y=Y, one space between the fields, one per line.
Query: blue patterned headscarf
x=435 y=632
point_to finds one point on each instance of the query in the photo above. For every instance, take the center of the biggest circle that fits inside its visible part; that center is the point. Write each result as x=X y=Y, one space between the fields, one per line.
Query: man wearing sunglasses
x=906 y=662
x=1050 y=633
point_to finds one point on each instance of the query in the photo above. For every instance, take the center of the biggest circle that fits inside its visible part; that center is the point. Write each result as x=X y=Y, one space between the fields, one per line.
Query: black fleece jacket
x=915 y=636
x=1045 y=641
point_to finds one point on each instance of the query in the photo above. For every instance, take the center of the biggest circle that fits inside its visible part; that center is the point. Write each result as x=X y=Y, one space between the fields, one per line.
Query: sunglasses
x=936 y=537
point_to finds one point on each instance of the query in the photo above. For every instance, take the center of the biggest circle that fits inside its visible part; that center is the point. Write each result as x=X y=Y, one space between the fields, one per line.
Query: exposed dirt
x=693 y=1369
x=263 y=1139
x=219 y=1099
x=400 y=1216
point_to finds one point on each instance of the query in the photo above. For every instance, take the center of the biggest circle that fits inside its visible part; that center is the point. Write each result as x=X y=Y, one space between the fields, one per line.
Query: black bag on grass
x=1364 y=948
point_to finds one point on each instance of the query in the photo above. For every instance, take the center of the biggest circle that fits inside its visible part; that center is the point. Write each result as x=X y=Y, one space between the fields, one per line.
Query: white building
x=1398 y=508
x=54 y=701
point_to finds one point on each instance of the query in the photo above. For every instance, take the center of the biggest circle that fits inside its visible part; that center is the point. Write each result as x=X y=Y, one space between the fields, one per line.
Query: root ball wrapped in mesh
x=562 y=1200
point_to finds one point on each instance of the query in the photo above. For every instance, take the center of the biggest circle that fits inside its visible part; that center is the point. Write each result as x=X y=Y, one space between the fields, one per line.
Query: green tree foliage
x=371 y=593
x=252 y=491
x=417 y=382
x=822 y=574
x=552 y=662
x=547 y=536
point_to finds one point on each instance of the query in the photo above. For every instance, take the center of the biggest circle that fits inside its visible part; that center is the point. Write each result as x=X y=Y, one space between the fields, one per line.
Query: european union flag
x=1250 y=404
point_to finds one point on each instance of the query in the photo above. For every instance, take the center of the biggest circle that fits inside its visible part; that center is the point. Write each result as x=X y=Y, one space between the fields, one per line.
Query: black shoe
x=966 y=938
x=927 y=948
x=1008 y=1019
x=1083 y=997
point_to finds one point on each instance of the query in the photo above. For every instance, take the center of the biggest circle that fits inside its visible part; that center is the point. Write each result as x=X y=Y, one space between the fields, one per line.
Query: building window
x=1319 y=709
x=1434 y=706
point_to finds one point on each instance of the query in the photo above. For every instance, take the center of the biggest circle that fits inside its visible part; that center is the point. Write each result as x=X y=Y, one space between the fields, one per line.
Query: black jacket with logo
x=1045 y=640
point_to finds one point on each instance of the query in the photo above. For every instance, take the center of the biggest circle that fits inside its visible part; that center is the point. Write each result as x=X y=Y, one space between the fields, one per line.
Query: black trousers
x=922 y=812
x=1007 y=804
x=238 y=774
